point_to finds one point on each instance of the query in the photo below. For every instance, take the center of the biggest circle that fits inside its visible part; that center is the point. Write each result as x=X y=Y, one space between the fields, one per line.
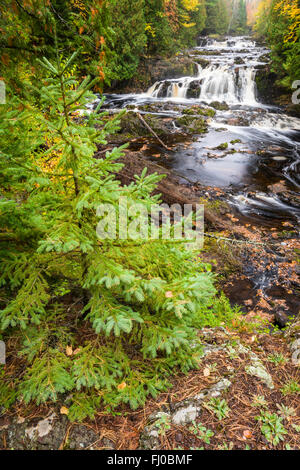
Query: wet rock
x=223 y=146
x=157 y=107
x=202 y=41
x=221 y=129
x=132 y=126
x=199 y=110
x=268 y=91
x=208 y=53
x=239 y=61
x=192 y=124
x=293 y=110
x=220 y=106
x=260 y=66
x=194 y=89
x=238 y=121
x=203 y=62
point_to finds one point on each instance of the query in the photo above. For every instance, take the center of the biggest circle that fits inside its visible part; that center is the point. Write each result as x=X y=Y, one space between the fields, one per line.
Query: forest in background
x=278 y=23
x=113 y=35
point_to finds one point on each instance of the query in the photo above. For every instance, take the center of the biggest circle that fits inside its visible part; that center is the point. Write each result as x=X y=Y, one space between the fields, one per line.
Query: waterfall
x=224 y=83
x=216 y=83
x=247 y=86
x=232 y=43
x=179 y=90
x=264 y=143
x=171 y=88
x=155 y=89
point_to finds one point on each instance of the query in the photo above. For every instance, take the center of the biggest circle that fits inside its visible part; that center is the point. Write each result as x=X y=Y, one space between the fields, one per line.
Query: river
x=259 y=168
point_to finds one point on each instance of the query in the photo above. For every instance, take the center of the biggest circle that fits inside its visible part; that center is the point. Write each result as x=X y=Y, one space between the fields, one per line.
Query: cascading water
x=269 y=148
x=215 y=83
x=223 y=83
x=171 y=88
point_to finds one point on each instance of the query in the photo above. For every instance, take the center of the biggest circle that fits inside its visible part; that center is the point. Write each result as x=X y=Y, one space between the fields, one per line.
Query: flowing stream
x=259 y=166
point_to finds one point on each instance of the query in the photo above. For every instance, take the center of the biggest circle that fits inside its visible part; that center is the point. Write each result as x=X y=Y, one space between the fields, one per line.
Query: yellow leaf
x=69 y=351
x=64 y=410
x=122 y=386
x=247 y=434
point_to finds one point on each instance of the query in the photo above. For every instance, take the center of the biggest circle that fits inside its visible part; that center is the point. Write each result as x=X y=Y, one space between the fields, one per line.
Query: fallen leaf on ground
x=247 y=434
x=122 y=386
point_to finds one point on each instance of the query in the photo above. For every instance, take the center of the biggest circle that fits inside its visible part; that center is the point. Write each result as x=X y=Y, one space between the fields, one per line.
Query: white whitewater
x=278 y=122
x=224 y=83
x=227 y=75
x=238 y=43
x=234 y=85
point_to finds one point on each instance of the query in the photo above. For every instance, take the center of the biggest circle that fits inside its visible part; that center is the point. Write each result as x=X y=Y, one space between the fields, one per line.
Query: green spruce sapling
x=129 y=336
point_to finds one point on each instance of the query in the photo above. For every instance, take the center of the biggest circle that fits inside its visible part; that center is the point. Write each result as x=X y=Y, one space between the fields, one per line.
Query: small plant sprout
x=272 y=427
x=291 y=388
x=202 y=433
x=163 y=424
x=277 y=359
x=219 y=407
x=296 y=427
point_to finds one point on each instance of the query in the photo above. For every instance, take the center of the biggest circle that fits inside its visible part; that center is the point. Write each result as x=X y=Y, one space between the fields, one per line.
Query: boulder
x=239 y=61
x=132 y=126
x=192 y=124
x=194 y=89
x=220 y=106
